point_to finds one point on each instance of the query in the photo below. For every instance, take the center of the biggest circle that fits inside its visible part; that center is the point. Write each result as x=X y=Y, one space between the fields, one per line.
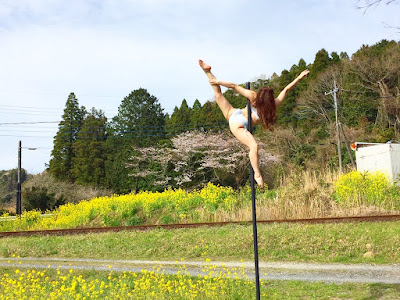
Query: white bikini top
x=254 y=112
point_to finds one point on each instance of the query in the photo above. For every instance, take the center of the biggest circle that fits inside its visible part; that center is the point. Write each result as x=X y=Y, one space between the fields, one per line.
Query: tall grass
x=314 y=194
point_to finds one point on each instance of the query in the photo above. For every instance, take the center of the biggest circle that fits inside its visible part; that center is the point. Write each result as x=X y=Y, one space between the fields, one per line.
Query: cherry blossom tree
x=195 y=158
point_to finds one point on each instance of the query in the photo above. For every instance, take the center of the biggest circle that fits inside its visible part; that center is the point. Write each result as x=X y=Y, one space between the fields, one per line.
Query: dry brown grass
x=8 y=207
x=306 y=194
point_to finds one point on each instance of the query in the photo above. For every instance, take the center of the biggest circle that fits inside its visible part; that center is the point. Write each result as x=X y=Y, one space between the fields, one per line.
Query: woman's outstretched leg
x=223 y=104
x=247 y=139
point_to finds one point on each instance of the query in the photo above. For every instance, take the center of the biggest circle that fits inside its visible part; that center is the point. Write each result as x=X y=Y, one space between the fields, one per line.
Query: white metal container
x=379 y=157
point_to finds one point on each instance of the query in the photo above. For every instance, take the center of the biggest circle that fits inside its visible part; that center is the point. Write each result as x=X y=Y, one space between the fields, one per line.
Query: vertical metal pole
x=337 y=127
x=19 y=206
x=253 y=201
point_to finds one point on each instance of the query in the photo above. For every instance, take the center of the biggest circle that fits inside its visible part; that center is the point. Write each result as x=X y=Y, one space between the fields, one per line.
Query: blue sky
x=103 y=50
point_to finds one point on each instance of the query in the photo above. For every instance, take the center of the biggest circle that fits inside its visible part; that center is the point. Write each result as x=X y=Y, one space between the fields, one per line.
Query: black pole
x=253 y=202
x=19 y=206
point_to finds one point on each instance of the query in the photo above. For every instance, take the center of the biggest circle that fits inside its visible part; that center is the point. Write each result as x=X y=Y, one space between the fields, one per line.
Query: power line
x=25 y=136
x=79 y=95
x=103 y=137
x=19 y=130
x=156 y=129
x=29 y=113
x=6 y=106
x=156 y=132
x=57 y=122
x=34 y=122
x=18 y=108
x=136 y=126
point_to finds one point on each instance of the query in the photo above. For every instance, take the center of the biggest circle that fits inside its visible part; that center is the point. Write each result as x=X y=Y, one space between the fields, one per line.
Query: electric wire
x=33 y=122
x=104 y=132
x=138 y=131
x=125 y=134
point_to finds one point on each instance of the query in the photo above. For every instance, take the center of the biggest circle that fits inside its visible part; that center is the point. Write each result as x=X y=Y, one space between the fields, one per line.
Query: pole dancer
x=263 y=111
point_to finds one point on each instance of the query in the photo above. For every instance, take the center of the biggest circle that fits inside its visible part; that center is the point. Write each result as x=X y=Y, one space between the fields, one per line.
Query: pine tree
x=344 y=56
x=302 y=65
x=237 y=100
x=62 y=153
x=335 y=57
x=140 y=122
x=285 y=111
x=212 y=117
x=89 y=149
x=321 y=62
x=195 y=117
x=140 y=119
x=180 y=119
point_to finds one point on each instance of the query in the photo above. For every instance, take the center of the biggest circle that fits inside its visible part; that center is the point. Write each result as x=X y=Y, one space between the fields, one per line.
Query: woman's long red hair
x=266 y=108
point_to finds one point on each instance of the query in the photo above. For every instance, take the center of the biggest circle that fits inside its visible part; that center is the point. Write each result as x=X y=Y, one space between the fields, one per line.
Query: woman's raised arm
x=282 y=95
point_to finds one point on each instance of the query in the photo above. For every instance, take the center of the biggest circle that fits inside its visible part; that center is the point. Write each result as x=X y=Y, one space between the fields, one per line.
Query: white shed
x=379 y=157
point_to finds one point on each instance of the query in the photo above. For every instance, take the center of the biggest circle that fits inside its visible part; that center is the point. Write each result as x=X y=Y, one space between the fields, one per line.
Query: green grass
x=118 y=285
x=341 y=243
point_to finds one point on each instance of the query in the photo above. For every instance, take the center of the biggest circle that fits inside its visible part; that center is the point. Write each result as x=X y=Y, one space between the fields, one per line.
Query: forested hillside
x=142 y=148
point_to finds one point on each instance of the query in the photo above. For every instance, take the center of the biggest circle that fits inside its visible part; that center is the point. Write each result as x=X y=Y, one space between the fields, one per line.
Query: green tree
x=195 y=117
x=118 y=150
x=302 y=65
x=180 y=119
x=321 y=62
x=62 y=153
x=140 y=122
x=212 y=117
x=89 y=150
x=237 y=100
x=140 y=119
x=285 y=111
x=335 y=57
x=343 y=56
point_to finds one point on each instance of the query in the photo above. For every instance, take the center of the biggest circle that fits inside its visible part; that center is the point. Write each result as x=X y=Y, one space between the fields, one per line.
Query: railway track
x=382 y=218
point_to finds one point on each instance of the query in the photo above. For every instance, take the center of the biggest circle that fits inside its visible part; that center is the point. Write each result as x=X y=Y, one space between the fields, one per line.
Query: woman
x=263 y=110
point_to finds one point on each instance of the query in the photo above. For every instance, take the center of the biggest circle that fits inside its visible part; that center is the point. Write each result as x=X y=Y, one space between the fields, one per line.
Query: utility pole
x=334 y=91
x=19 y=184
x=19 y=206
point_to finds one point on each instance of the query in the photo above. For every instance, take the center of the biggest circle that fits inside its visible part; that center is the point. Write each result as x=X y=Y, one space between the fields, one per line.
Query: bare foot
x=259 y=181
x=204 y=66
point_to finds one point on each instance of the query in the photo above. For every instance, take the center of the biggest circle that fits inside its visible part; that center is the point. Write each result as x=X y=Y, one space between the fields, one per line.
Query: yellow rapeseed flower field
x=132 y=209
x=51 y=284
x=369 y=188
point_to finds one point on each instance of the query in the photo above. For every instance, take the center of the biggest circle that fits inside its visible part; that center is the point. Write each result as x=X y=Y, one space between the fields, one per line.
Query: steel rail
x=85 y=230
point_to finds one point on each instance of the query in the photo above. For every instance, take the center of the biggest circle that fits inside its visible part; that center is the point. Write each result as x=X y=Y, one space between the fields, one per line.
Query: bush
x=70 y=192
x=303 y=153
x=370 y=188
x=322 y=133
x=39 y=198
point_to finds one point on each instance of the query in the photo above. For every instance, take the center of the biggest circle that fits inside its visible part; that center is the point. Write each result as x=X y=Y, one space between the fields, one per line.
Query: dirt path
x=333 y=273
